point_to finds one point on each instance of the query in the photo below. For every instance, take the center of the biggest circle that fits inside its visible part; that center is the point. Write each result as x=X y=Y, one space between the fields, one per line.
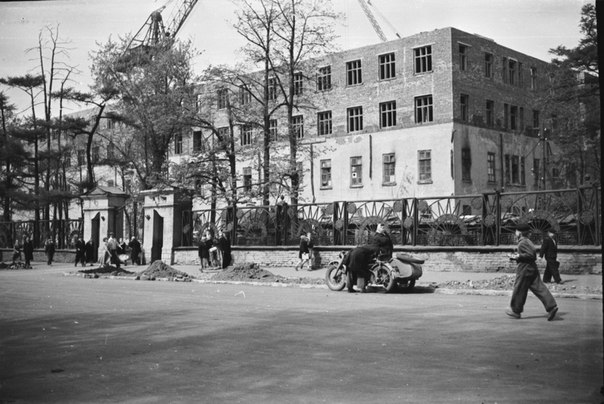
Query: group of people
x=214 y=251
x=114 y=251
x=84 y=252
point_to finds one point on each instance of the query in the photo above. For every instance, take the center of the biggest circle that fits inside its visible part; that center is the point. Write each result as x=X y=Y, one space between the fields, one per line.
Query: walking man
x=49 y=249
x=527 y=277
x=113 y=250
x=549 y=249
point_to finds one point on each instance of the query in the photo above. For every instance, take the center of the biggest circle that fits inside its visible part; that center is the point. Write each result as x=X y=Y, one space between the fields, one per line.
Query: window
x=353 y=73
x=324 y=78
x=466 y=164
x=96 y=155
x=515 y=170
x=355 y=119
x=536 y=121
x=423 y=109
x=67 y=159
x=223 y=132
x=533 y=78
x=247 y=179
x=325 y=173
x=387 y=66
x=513 y=117
x=491 y=167
x=298 y=126
x=223 y=98
x=245 y=97
x=109 y=123
x=324 y=123
x=488 y=65
x=425 y=166
x=389 y=166
x=356 y=171
x=272 y=88
x=81 y=157
x=196 y=141
x=273 y=129
x=423 y=59
x=521 y=119
x=246 y=135
x=536 y=172
x=463 y=57
x=506 y=115
x=298 y=83
x=178 y=143
x=387 y=114
x=490 y=113
x=464 y=101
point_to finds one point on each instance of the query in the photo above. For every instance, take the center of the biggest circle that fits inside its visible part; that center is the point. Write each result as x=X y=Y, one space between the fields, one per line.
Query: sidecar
x=400 y=271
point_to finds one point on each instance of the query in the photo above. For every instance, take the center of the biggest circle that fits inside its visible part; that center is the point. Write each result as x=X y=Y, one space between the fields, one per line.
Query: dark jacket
x=549 y=249
x=359 y=258
x=384 y=243
x=28 y=250
x=49 y=247
x=527 y=255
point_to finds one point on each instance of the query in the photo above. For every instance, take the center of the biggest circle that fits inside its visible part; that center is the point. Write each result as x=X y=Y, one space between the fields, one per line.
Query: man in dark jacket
x=382 y=241
x=80 y=247
x=135 y=250
x=527 y=277
x=549 y=249
x=357 y=263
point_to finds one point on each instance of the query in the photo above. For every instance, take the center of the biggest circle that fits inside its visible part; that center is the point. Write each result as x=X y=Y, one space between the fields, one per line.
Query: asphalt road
x=76 y=340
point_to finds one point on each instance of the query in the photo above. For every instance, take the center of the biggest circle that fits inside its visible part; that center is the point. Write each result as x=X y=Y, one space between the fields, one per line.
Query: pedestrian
x=549 y=249
x=527 y=277
x=80 y=253
x=303 y=252
x=135 y=250
x=106 y=255
x=204 y=250
x=224 y=245
x=17 y=251
x=49 y=250
x=113 y=248
x=311 y=251
x=89 y=252
x=28 y=251
x=282 y=216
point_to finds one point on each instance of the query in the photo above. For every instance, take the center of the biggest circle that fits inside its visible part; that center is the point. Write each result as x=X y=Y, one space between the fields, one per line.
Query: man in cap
x=549 y=249
x=527 y=277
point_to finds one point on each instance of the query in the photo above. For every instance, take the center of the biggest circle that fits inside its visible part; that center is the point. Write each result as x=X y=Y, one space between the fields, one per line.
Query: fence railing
x=468 y=220
x=62 y=231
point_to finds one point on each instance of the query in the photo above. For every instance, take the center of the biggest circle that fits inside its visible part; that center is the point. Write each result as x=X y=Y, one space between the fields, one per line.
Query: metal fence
x=469 y=220
x=62 y=231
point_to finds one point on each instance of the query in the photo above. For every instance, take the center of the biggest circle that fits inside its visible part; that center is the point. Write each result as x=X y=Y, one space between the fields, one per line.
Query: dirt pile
x=159 y=269
x=16 y=265
x=247 y=272
x=105 y=270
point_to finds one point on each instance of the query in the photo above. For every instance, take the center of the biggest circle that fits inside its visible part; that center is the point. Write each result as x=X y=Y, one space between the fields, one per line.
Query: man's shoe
x=552 y=313
x=511 y=313
x=561 y=282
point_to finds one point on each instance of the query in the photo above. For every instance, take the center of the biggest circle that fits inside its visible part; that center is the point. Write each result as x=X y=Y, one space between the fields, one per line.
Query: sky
x=529 y=26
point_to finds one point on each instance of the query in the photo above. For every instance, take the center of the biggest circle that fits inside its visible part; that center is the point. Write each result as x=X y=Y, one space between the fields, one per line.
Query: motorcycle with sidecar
x=401 y=270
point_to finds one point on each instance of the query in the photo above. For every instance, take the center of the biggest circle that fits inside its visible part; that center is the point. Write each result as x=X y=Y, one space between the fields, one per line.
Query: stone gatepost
x=103 y=214
x=163 y=227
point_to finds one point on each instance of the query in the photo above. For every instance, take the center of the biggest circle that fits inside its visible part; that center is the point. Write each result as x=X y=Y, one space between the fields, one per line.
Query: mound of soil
x=158 y=269
x=16 y=265
x=107 y=269
x=505 y=282
x=247 y=272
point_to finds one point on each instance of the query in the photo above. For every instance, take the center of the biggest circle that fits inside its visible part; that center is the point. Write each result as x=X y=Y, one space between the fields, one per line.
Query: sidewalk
x=575 y=286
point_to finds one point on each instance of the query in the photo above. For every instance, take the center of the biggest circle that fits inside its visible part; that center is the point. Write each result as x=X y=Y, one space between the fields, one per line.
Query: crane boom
x=372 y=20
x=154 y=31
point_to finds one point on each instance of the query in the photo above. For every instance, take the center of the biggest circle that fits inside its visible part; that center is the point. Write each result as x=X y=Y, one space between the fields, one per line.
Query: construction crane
x=365 y=5
x=154 y=31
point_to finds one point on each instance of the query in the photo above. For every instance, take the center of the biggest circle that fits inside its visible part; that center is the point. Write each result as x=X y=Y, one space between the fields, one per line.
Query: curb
x=285 y=284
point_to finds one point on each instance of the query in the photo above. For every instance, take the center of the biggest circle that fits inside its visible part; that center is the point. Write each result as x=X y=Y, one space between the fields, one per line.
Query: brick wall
x=573 y=260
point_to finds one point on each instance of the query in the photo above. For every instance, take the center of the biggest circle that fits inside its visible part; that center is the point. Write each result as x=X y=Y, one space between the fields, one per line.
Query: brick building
x=443 y=112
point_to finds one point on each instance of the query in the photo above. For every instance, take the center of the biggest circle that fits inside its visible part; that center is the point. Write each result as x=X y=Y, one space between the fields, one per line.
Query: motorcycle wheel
x=384 y=277
x=407 y=284
x=335 y=276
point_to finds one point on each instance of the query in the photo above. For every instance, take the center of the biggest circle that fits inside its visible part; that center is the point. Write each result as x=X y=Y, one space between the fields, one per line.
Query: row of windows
x=514 y=169
x=512 y=73
x=513 y=115
x=354 y=120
